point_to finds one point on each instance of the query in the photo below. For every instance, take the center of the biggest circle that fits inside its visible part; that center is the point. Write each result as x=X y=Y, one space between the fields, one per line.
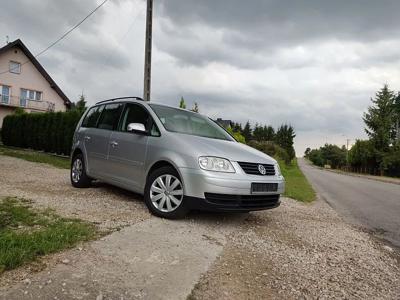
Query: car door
x=97 y=139
x=128 y=150
x=92 y=139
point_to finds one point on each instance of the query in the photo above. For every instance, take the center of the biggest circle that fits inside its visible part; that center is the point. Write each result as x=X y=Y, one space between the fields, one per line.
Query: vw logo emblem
x=262 y=170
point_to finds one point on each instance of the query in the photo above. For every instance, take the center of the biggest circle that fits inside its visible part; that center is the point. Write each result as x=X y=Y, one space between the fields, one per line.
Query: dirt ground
x=297 y=251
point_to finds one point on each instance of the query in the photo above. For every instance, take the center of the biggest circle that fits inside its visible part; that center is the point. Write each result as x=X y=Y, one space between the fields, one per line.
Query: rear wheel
x=164 y=194
x=79 y=179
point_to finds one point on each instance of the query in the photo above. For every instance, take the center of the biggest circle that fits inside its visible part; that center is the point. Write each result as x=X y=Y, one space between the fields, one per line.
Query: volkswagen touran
x=178 y=159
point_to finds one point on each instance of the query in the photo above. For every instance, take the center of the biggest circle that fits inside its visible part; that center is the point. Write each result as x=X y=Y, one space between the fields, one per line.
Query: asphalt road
x=371 y=204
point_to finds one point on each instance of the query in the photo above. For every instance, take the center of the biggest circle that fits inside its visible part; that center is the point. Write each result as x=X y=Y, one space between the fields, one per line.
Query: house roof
x=224 y=123
x=18 y=43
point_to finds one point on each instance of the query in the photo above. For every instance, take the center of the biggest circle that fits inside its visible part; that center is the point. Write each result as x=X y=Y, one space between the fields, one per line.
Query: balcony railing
x=14 y=101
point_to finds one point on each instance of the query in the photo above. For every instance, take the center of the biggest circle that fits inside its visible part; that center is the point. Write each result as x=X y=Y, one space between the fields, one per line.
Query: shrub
x=50 y=132
x=271 y=149
x=237 y=135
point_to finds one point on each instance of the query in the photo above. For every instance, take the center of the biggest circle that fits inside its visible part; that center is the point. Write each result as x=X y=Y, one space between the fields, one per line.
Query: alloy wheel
x=166 y=193
x=77 y=169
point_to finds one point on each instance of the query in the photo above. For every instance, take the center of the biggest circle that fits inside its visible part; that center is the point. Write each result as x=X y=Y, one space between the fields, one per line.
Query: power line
x=64 y=35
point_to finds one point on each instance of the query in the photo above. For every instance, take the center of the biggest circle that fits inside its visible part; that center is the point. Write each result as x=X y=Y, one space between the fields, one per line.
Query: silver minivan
x=179 y=160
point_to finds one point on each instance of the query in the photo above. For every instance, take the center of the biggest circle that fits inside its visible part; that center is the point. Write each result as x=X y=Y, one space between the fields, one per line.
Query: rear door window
x=110 y=116
x=91 y=118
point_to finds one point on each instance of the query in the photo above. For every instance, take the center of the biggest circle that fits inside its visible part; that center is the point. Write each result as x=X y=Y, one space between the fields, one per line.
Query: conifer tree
x=247 y=132
x=380 y=118
x=182 y=103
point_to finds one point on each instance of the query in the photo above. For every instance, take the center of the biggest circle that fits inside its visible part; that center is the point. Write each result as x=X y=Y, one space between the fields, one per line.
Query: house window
x=15 y=67
x=5 y=94
x=31 y=95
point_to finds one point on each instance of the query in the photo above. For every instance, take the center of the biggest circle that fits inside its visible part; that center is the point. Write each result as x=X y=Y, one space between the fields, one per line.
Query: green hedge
x=49 y=132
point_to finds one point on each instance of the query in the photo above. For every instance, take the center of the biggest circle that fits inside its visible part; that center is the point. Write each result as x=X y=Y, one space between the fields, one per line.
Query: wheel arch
x=76 y=152
x=164 y=163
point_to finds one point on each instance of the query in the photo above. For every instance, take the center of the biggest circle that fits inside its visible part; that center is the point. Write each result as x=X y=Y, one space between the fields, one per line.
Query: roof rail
x=121 y=98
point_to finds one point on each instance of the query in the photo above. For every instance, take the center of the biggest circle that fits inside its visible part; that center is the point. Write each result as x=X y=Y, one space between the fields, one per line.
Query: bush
x=328 y=155
x=237 y=135
x=391 y=162
x=271 y=149
x=50 y=132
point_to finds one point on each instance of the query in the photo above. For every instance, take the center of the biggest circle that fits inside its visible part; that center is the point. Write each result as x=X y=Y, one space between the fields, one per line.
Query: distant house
x=224 y=123
x=25 y=83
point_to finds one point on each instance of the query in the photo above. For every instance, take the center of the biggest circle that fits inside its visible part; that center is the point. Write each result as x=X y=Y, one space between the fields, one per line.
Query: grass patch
x=38 y=157
x=26 y=233
x=297 y=185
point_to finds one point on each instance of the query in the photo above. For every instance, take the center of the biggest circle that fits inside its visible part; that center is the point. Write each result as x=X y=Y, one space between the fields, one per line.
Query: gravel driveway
x=293 y=252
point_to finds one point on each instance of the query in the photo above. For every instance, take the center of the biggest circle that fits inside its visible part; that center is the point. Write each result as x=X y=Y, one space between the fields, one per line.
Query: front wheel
x=164 y=195
x=79 y=179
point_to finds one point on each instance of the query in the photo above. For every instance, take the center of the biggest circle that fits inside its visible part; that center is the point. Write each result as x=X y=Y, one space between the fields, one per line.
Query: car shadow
x=195 y=215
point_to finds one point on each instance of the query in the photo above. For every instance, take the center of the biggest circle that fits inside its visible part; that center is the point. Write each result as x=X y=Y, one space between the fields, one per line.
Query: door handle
x=113 y=144
x=87 y=138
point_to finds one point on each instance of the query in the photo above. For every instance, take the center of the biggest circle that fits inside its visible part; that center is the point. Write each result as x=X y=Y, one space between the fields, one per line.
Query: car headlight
x=216 y=164
x=278 y=170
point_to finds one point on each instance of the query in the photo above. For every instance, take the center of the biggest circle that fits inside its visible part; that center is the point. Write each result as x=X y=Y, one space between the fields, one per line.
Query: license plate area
x=257 y=188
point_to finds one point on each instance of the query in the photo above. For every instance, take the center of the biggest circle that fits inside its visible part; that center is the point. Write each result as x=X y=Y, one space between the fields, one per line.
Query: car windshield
x=179 y=120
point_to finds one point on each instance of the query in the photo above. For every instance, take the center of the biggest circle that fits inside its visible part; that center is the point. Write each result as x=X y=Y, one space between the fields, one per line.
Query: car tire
x=164 y=195
x=78 y=176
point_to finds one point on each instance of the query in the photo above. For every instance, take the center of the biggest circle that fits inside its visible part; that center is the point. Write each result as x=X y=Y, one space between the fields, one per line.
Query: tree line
x=380 y=153
x=266 y=138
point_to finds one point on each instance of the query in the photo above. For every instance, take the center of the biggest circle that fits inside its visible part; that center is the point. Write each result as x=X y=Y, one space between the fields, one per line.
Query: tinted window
x=110 y=116
x=137 y=114
x=92 y=116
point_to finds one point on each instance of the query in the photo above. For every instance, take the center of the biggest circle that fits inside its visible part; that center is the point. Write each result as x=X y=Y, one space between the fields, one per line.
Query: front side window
x=134 y=113
x=15 y=67
x=110 y=116
x=92 y=116
x=5 y=94
x=182 y=121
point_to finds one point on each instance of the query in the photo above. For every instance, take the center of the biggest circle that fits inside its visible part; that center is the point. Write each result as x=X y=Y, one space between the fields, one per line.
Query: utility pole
x=147 y=58
x=347 y=151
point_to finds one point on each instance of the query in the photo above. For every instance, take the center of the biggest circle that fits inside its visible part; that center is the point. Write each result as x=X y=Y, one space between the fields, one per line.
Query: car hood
x=234 y=151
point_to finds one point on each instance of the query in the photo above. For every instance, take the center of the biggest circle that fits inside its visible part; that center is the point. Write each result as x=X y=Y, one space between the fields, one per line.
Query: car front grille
x=253 y=168
x=247 y=202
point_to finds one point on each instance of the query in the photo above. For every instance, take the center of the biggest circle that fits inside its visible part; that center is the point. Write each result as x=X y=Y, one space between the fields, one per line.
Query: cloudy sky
x=313 y=64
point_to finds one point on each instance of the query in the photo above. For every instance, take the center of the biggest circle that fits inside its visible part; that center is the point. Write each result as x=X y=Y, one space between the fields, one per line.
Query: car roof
x=120 y=98
x=134 y=100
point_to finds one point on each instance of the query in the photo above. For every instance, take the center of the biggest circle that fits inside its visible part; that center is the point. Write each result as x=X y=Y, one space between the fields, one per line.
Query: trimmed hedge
x=49 y=132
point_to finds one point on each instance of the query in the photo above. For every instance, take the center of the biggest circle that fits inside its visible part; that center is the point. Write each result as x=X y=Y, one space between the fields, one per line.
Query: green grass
x=26 y=233
x=297 y=185
x=34 y=156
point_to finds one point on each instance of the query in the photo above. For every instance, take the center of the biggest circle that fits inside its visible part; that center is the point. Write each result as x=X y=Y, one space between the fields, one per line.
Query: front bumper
x=228 y=192
x=233 y=203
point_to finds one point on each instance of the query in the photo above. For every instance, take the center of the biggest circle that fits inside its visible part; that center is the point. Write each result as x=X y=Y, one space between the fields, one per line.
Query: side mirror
x=137 y=128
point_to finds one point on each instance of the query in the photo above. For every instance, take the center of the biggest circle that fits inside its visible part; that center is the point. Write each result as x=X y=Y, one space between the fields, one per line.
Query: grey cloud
x=245 y=34
x=289 y=20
